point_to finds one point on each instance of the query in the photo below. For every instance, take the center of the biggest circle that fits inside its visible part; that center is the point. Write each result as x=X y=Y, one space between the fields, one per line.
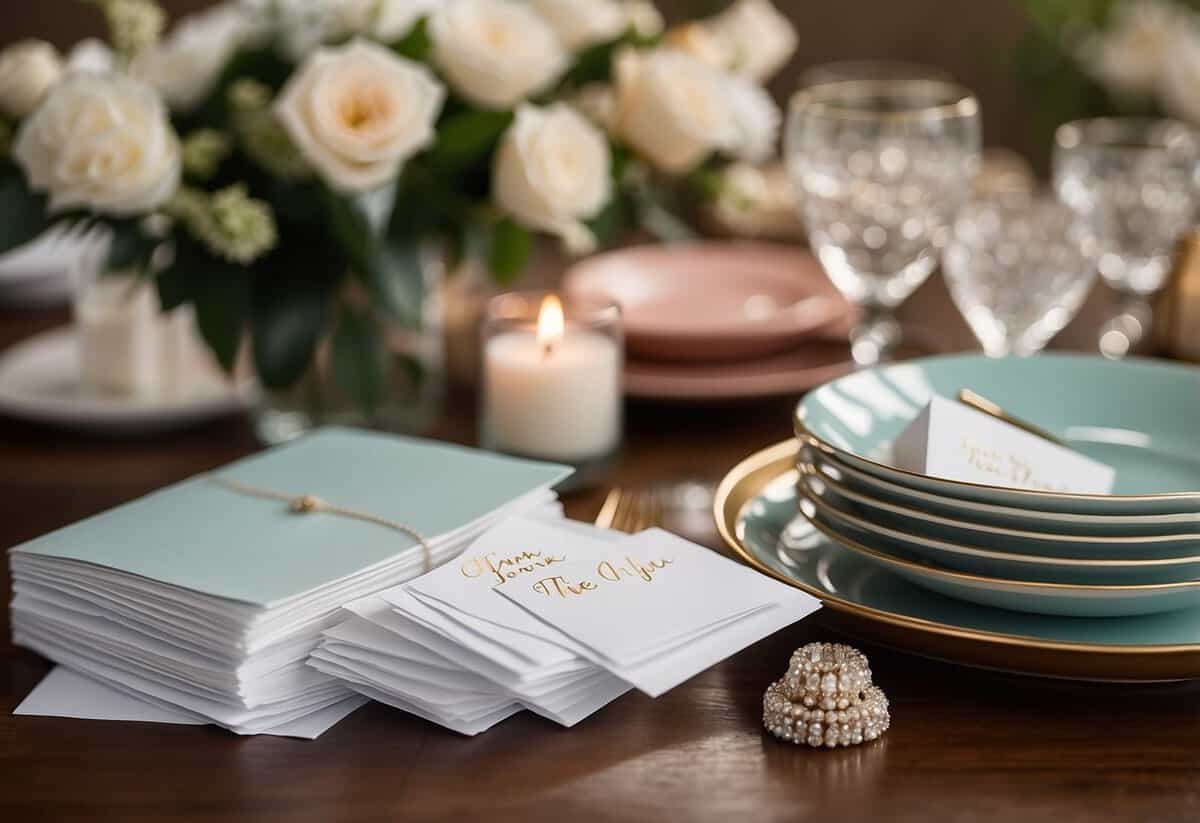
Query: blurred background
x=979 y=43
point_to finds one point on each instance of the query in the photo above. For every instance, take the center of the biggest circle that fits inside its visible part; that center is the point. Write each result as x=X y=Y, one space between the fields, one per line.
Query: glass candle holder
x=551 y=390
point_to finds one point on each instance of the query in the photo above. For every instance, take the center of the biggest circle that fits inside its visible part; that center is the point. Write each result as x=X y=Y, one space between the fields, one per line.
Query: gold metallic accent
x=981 y=404
x=989 y=650
x=630 y=511
x=308 y=503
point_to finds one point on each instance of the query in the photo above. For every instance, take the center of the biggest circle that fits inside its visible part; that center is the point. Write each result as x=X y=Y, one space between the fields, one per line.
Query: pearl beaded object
x=826 y=699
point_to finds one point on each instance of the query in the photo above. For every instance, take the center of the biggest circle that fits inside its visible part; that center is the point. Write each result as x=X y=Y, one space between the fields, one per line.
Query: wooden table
x=964 y=745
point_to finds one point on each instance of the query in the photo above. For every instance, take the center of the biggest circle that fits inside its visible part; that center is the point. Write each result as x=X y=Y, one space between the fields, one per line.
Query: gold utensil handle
x=981 y=403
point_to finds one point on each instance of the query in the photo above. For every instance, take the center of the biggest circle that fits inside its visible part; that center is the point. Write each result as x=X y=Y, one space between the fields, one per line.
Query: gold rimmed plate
x=757 y=514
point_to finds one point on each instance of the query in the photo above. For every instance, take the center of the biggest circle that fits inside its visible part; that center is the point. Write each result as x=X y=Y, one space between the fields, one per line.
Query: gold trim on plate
x=993 y=650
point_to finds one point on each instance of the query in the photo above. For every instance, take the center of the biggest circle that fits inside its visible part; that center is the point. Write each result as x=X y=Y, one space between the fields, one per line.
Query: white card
x=634 y=599
x=952 y=440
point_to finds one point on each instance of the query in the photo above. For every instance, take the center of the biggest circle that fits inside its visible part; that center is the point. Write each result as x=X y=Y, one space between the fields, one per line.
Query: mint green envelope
x=205 y=537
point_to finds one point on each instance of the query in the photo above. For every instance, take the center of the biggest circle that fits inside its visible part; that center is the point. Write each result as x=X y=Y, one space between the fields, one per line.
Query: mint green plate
x=757 y=503
x=1142 y=417
x=1012 y=517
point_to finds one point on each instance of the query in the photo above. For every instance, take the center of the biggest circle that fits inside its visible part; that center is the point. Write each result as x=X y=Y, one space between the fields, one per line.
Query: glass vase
x=411 y=358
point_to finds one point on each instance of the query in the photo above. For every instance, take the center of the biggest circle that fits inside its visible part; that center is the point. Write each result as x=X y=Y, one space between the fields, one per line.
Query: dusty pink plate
x=713 y=302
x=811 y=363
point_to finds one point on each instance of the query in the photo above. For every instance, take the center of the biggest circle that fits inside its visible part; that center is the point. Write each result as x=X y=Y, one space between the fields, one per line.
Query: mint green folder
x=208 y=538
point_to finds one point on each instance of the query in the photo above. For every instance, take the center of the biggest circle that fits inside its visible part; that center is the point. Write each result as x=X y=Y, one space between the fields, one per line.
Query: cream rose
x=495 y=53
x=101 y=142
x=581 y=23
x=552 y=172
x=673 y=108
x=1181 y=77
x=762 y=39
x=358 y=113
x=185 y=66
x=27 y=71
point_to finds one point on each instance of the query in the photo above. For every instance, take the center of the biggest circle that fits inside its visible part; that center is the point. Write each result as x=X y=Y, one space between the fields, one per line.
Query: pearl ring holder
x=826 y=699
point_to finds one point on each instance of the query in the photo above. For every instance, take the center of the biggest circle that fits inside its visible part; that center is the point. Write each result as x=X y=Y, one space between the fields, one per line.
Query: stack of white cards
x=557 y=618
x=208 y=597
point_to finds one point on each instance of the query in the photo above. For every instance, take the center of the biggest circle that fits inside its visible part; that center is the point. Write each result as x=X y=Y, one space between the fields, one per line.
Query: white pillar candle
x=555 y=394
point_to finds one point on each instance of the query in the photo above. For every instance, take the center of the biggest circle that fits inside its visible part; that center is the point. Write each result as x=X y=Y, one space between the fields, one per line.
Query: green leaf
x=289 y=315
x=512 y=246
x=358 y=363
x=24 y=212
x=130 y=247
x=351 y=228
x=394 y=277
x=469 y=136
x=222 y=301
x=415 y=45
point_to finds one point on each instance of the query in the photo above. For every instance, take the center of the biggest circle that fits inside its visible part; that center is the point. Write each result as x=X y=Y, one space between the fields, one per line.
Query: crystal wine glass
x=1017 y=270
x=881 y=168
x=1133 y=183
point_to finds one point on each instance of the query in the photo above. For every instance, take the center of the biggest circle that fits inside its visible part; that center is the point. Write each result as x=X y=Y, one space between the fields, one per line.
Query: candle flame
x=550 y=323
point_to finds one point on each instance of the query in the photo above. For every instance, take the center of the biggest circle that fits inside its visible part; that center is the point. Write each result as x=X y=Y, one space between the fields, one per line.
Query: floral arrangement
x=279 y=164
x=1095 y=57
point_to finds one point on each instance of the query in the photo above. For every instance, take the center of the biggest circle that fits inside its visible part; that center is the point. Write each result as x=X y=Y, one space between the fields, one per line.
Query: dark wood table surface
x=964 y=745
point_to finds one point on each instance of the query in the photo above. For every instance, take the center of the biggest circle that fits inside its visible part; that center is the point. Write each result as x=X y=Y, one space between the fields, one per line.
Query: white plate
x=39 y=381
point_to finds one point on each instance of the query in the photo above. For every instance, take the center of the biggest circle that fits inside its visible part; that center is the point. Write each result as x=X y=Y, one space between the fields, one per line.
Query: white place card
x=954 y=441
x=644 y=596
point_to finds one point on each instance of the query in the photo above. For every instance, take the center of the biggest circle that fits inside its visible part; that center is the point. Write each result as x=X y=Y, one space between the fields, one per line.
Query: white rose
x=101 y=142
x=185 y=66
x=763 y=40
x=703 y=43
x=756 y=119
x=27 y=71
x=598 y=102
x=553 y=171
x=1181 y=77
x=673 y=108
x=358 y=112
x=581 y=23
x=1130 y=57
x=495 y=53
x=385 y=20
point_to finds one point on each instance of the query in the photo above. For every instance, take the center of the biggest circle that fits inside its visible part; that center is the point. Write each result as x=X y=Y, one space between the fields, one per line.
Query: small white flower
x=383 y=20
x=358 y=113
x=297 y=26
x=185 y=66
x=91 y=55
x=552 y=172
x=1130 y=57
x=495 y=53
x=133 y=25
x=762 y=39
x=581 y=23
x=101 y=142
x=756 y=118
x=598 y=102
x=673 y=108
x=643 y=17
x=27 y=71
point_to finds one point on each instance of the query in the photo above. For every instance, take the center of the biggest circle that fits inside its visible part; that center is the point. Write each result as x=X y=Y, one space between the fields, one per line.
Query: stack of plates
x=1134 y=552
x=720 y=321
x=1017 y=569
